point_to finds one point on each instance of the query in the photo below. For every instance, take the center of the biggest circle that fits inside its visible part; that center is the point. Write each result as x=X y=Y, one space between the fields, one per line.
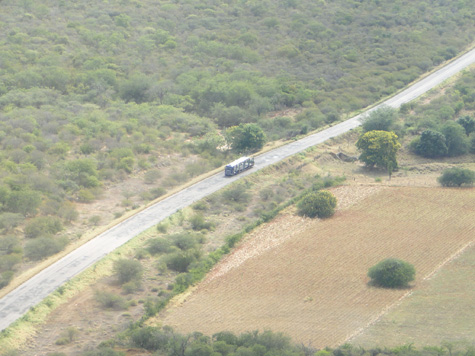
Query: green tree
x=320 y=204
x=43 y=225
x=456 y=177
x=25 y=202
x=9 y=244
x=128 y=270
x=381 y=119
x=431 y=144
x=468 y=123
x=149 y=338
x=43 y=247
x=392 y=273
x=472 y=142
x=81 y=171
x=455 y=138
x=10 y=220
x=379 y=149
x=135 y=89
x=245 y=137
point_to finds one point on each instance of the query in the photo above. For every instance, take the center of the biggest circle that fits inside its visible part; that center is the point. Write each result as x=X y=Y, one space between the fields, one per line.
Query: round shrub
x=392 y=273
x=455 y=177
x=431 y=144
x=128 y=270
x=320 y=204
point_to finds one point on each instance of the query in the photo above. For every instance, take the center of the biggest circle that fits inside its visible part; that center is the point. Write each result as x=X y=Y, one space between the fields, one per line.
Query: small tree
x=468 y=123
x=379 y=149
x=43 y=225
x=456 y=177
x=392 y=273
x=455 y=139
x=431 y=144
x=472 y=142
x=246 y=137
x=317 y=204
x=43 y=247
x=381 y=119
x=128 y=270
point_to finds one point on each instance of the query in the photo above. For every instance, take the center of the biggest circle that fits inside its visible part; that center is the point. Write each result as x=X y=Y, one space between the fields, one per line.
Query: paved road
x=17 y=302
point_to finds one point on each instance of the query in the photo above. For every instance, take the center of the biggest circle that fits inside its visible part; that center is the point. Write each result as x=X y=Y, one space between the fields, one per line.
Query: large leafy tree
x=246 y=137
x=431 y=144
x=456 y=139
x=379 y=148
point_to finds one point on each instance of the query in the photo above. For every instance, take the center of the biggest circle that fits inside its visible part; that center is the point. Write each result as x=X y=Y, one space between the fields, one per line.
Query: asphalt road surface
x=18 y=302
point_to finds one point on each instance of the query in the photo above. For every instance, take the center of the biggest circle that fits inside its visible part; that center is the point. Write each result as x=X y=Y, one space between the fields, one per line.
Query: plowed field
x=307 y=278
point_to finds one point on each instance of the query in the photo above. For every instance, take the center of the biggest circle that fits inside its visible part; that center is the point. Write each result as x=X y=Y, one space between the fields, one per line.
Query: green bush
x=9 y=244
x=7 y=262
x=431 y=144
x=456 y=177
x=468 y=123
x=105 y=351
x=9 y=221
x=180 y=261
x=199 y=223
x=237 y=193
x=472 y=142
x=455 y=139
x=245 y=137
x=184 y=241
x=320 y=204
x=149 y=338
x=43 y=225
x=110 y=300
x=381 y=119
x=128 y=270
x=392 y=273
x=43 y=247
x=5 y=278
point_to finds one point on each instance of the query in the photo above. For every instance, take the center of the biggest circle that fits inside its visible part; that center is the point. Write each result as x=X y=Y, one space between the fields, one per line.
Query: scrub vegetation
x=92 y=93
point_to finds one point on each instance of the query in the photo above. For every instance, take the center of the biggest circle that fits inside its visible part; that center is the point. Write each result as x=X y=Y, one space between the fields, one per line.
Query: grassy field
x=312 y=283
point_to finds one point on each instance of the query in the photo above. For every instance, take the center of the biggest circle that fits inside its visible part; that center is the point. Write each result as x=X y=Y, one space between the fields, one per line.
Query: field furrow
x=312 y=285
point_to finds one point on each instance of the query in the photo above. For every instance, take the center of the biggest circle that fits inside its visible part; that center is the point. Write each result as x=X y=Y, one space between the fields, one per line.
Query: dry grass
x=313 y=285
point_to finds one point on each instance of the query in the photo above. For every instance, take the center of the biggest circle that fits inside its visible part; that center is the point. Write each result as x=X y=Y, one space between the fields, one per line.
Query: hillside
x=96 y=94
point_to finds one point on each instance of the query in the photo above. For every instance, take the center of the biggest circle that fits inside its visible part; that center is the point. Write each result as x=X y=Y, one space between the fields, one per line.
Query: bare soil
x=310 y=281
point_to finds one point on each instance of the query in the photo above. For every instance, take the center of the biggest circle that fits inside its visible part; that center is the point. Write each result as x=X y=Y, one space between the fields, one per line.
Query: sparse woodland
x=94 y=92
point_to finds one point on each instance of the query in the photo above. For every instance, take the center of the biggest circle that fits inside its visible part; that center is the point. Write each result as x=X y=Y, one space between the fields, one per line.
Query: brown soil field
x=442 y=310
x=308 y=278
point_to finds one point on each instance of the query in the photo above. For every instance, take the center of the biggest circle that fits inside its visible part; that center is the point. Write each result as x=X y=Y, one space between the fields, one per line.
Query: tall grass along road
x=17 y=302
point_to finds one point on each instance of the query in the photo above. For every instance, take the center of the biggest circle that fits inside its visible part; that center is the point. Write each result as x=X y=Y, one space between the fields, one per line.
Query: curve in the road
x=20 y=300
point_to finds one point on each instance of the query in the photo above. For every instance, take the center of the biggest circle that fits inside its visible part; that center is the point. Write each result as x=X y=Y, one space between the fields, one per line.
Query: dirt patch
x=313 y=285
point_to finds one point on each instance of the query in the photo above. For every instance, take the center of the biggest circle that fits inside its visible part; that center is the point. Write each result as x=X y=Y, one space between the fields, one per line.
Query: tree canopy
x=392 y=273
x=320 y=204
x=431 y=144
x=246 y=137
x=381 y=119
x=456 y=139
x=379 y=148
x=456 y=177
